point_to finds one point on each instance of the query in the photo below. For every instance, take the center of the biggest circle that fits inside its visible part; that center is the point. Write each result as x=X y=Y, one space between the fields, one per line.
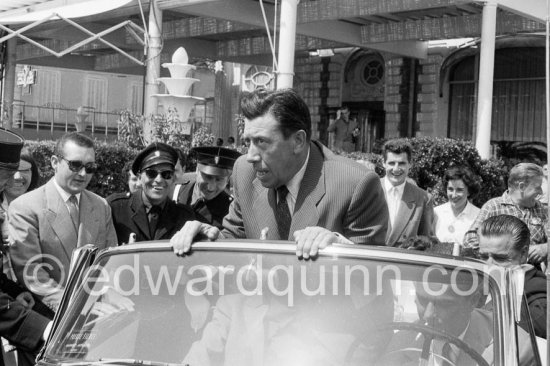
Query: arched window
x=518 y=96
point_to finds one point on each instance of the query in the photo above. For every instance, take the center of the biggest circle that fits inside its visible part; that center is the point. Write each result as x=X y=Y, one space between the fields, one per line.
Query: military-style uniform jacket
x=211 y=212
x=129 y=216
x=22 y=327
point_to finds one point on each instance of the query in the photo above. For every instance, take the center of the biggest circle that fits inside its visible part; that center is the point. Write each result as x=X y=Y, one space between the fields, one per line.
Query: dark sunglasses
x=165 y=174
x=77 y=165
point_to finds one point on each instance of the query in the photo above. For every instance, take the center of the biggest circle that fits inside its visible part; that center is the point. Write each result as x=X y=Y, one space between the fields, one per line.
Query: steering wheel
x=429 y=335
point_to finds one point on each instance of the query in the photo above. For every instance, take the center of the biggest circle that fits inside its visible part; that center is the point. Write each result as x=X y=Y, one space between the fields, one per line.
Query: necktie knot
x=282 y=192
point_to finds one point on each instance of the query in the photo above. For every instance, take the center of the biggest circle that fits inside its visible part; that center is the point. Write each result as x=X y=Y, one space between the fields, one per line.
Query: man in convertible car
x=290 y=187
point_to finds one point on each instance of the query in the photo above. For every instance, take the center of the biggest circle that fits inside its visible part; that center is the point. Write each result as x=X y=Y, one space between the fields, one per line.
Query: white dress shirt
x=66 y=195
x=393 y=198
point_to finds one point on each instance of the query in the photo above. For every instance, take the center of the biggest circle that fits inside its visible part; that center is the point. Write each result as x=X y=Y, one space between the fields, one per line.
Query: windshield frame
x=389 y=255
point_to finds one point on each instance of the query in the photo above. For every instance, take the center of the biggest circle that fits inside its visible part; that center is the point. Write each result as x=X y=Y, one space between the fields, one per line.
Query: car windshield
x=223 y=307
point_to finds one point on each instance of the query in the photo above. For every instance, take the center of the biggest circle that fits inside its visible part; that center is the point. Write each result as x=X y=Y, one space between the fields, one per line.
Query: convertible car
x=255 y=303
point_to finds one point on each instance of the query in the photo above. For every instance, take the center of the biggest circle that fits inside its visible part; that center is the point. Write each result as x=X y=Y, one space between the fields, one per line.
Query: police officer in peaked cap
x=22 y=322
x=206 y=189
x=149 y=213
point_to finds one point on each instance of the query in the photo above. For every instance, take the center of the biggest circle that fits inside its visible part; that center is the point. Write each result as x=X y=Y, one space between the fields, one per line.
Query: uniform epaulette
x=118 y=196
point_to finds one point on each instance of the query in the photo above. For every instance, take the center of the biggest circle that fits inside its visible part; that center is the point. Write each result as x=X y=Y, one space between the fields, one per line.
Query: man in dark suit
x=19 y=323
x=292 y=188
x=410 y=208
x=149 y=213
x=504 y=241
x=205 y=190
x=48 y=223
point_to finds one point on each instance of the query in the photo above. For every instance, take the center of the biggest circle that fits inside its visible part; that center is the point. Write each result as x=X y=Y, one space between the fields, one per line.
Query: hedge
x=431 y=157
x=110 y=159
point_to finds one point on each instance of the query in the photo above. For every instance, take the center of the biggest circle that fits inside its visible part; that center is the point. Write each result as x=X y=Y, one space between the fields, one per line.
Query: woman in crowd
x=24 y=180
x=454 y=218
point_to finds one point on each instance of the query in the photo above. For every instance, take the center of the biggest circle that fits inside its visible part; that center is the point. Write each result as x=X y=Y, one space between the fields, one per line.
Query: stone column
x=287 y=43
x=153 y=66
x=9 y=82
x=485 y=87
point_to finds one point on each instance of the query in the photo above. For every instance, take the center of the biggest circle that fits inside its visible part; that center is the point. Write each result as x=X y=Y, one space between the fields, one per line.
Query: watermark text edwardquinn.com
x=256 y=278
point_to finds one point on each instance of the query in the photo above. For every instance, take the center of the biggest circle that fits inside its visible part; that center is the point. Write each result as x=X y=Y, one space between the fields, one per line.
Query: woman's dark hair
x=35 y=173
x=464 y=174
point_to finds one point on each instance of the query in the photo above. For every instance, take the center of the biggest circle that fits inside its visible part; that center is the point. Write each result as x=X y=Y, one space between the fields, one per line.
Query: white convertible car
x=255 y=303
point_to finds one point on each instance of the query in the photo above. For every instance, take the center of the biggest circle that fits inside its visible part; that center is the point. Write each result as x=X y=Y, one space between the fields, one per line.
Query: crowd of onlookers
x=287 y=187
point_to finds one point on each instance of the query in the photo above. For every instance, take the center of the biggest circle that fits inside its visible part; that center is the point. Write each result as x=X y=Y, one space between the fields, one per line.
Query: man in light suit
x=410 y=208
x=47 y=224
x=289 y=187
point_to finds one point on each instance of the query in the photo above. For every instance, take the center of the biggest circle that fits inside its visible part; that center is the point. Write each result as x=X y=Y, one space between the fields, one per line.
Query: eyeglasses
x=165 y=174
x=77 y=166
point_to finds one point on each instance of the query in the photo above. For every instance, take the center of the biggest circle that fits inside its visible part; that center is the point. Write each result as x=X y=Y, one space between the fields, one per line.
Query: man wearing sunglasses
x=149 y=213
x=48 y=223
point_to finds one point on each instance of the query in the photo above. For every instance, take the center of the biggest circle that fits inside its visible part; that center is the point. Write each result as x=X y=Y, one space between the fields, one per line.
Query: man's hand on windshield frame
x=182 y=240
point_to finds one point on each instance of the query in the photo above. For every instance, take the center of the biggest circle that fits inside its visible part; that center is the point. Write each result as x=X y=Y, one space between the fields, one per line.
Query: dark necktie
x=72 y=204
x=153 y=216
x=282 y=213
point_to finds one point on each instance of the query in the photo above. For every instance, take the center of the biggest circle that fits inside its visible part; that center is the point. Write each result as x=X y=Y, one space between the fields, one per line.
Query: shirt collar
x=468 y=209
x=64 y=194
x=400 y=188
x=294 y=184
x=148 y=205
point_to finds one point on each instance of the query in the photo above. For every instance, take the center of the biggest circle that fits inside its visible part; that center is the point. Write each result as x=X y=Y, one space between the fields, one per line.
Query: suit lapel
x=139 y=217
x=89 y=227
x=312 y=190
x=59 y=219
x=404 y=213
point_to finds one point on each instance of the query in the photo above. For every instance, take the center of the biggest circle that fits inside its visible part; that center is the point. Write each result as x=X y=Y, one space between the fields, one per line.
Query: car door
x=81 y=259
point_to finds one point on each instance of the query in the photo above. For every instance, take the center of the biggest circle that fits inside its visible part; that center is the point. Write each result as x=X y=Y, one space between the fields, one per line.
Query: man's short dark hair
x=397 y=146
x=523 y=172
x=464 y=174
x=288 y=108
x=76 y=137
x=503 y=225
